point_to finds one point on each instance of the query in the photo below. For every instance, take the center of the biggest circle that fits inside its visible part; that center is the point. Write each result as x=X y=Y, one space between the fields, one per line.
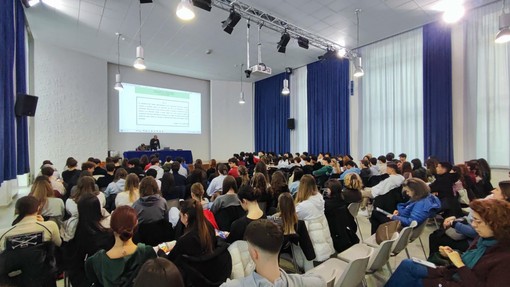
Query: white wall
x=232 y=126
x=71 y=116
x=198 y=144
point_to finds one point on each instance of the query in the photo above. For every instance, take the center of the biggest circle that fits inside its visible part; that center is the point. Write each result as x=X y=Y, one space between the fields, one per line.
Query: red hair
x=123 y=222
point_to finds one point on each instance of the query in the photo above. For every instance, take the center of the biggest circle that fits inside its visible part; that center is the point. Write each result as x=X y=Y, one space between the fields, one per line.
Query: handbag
x=386 y=230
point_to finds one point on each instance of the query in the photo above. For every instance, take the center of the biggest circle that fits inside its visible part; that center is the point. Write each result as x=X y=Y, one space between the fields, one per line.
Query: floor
x=376 y=280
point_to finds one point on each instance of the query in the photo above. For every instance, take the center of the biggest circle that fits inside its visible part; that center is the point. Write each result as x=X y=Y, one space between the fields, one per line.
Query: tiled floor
x=376 y=280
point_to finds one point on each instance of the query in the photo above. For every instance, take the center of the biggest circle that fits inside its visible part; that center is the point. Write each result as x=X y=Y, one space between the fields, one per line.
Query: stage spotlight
x=231 y=22
x=303 y=42
x=202 y=4
x=284 y=40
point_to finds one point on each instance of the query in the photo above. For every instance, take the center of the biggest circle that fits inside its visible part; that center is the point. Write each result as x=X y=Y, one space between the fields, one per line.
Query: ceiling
x=174 y=46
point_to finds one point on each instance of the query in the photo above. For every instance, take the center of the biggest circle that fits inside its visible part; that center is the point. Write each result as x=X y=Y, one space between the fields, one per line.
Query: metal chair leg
x=407 y=252
x=423 y=248
x=359 y=229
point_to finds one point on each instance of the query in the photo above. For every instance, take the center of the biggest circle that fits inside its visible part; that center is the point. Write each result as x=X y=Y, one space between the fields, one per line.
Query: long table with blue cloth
x=186 y=154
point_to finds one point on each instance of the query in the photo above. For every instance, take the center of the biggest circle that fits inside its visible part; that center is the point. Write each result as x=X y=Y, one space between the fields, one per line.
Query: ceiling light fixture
x=140 y=60
x=503 y=35
x=303 y=42
x=286 y=90
x=241 y=95
x=185 y=10
x=203 y=4
x=453 y=10
x=358 y=68
x=32 y=3
x=284 y=40
x=229 y=24
x=118 y=83
x=342 y=52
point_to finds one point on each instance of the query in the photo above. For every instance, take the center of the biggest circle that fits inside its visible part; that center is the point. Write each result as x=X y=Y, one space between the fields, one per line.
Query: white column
x=298 y=110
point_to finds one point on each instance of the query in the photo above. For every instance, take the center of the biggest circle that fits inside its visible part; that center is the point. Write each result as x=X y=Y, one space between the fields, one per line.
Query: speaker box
x=291 y=124
x=25 y=105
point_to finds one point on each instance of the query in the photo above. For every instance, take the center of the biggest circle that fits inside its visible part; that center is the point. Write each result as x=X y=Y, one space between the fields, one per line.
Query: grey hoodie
x=151 y=208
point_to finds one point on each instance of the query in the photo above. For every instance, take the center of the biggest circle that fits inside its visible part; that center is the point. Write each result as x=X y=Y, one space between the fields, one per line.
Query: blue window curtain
x=23 y=165
x=437 y=92
x=271 y=113
x=328 y=106
x=7 y=130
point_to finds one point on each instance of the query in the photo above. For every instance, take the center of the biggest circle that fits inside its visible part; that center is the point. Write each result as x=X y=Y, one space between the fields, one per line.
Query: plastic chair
x=242 y=264
x=415 y=234
x=345 y=274
x=353 y=210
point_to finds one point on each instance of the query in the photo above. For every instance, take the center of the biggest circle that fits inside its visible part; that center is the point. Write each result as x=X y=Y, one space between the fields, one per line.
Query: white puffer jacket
x=242 y=265
x=318 y=229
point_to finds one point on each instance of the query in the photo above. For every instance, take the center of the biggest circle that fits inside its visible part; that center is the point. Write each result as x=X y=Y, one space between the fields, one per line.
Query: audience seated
x=115 y=187
x=340 y=221
x=278 y=186
x=266 y=197
x=107 y=178
x=264 y=242
x=352 y=188
x=134 y=167
x=211 y=171
x=217 y=183
x=27 y=247
x=130 y=193
x=159 y=272
x=119 y=265
x=150 y=207
x=297 y=175
x=418 y=170
x=310 y=209
x=248 y=197
x=51 y=208
x=197 y=194
x=483 y=264
x=350 y=168
x=156 y=166
x=443 y=188
x=323 y=173
x=56 y=184
x=227 y=207
x=71 y=174
x=92 y=234
x=169 y=190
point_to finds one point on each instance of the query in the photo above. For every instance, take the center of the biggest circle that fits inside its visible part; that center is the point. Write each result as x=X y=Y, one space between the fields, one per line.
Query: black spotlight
x=202 y=4
x=284 y=40
x=303 y=42
x=231 y=22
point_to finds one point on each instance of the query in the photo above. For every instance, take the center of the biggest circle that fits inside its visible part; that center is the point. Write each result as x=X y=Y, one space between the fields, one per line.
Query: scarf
x=471 y=257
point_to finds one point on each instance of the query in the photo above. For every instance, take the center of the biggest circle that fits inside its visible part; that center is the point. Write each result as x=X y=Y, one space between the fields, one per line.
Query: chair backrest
x=403 y=240
x=381 y=254
x=354 y=273
x=417 y=231
x=242 y=264
x=330 y=270
x=154 y=233
x=225 y=216
x=354 y=208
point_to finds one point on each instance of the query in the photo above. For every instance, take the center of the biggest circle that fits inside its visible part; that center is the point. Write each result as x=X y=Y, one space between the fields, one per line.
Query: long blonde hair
x=41 y=190
x=307 y=188
x=287 y=213
x=131 y=187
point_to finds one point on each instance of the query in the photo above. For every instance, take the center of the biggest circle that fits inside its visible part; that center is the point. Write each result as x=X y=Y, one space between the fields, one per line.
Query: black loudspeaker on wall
x=25 y=105
x=291 y=124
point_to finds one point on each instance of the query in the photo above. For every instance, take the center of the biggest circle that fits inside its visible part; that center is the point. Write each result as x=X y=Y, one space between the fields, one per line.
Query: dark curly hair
x=495 y=213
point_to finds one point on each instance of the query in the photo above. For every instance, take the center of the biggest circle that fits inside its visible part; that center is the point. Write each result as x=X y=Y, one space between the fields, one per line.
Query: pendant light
x=241 y=95
x=118 y=83
x=140 y=60
x=358 y=69
x=285 y=90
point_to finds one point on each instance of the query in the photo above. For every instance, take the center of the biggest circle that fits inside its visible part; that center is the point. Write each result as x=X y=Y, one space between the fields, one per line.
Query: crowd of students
x=110 y=219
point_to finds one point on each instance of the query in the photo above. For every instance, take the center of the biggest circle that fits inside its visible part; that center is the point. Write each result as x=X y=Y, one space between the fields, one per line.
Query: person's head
x=298 y=173
x=110 y=167
x=334 y=188
x=365 y=163
x=416 y=163
x=120 y=173
x=180 y=159
x=326 y=161
x=229 y=184
x=373 y=161
x=212 y=163
x=71 y=162
x=443 y=167
x=265 y=239
x=133 y=162
x=222 y=169
x=88 y=166
x=406 y=167
x=416 y=188
x=382 y=158
x=353 y=181
x=85 y=185
x=47 y=171
x=243 y=171
x=132 y=182
x=192 y=216
x=151 y=172
x=25 y=206
x=123 y=222
x=232 y=162
x=402 y=157
x=41 y=189
x=350 y=164
x=155 y=161
x=248 y=195
x=307 y=188
x=502 y=192
x=390 y=156
x=261 y=167
x=490 y=219
x=198 y=164
x=176 y=166
x=148 y=186
x=391 y=168
x=90 y=216
x=278 y=179
x=431 y=164
x=155 y=137
x=287 y=211
x=197 y=191
x=144 y=160
x=158 y=272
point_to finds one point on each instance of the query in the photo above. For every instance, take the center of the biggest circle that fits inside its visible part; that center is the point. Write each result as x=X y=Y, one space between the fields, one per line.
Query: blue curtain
x=437 y=91
x=271 y=113
x=328 y=106
x=7 y=131
x=23 y=164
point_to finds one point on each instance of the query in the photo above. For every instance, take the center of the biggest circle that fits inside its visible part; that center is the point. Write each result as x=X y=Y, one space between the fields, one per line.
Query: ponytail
x=197 y=221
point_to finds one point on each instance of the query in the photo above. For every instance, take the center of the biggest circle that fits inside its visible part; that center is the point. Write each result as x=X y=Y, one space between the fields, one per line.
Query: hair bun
x=125 y=235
